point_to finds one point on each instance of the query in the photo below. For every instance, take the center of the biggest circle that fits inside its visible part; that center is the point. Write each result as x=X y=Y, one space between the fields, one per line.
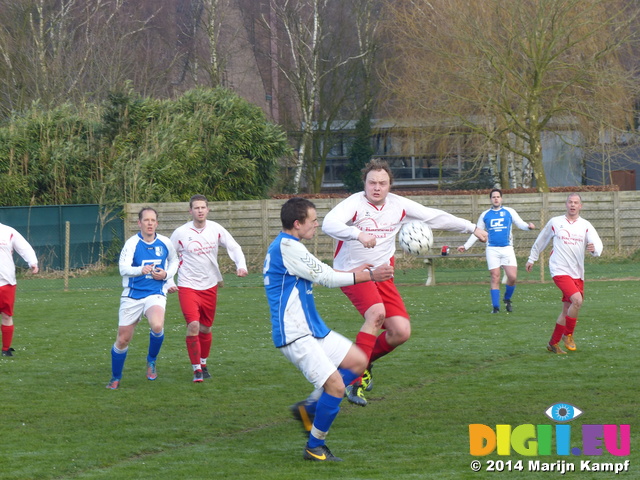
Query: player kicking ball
x=365 y=226
x=327 y=359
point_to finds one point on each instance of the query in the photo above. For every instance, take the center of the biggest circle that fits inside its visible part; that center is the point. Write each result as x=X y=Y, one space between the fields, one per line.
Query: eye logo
x=562 y=412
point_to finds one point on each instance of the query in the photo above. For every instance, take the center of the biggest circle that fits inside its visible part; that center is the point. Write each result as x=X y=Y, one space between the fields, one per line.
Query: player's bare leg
x=125 y=334
x=398 y=331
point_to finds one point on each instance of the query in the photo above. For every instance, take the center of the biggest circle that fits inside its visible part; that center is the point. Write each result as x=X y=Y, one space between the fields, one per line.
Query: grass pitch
x=462 y=365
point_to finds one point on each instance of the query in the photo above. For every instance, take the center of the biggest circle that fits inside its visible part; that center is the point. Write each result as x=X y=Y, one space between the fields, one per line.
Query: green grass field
x=461 y=366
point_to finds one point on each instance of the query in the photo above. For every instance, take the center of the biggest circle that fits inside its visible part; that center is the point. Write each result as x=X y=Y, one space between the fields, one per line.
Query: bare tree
x=509 y=71
x=216 y=48
x=346 y=91
x=53 y=52
x=314 y=55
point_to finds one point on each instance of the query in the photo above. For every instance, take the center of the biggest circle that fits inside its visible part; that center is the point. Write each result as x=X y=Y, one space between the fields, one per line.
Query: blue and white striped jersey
x=289 y=273
x=137 y=253
x=498 y=224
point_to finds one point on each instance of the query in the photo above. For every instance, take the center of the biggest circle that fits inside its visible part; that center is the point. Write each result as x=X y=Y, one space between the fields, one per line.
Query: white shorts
x=318 y=358
x=499 y=256
x=131 y=309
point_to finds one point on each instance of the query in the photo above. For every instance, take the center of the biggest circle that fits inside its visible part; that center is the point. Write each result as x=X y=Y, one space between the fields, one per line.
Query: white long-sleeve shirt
x=570 y=239
x=10 y=240
x=198 y=252
x=355 y=214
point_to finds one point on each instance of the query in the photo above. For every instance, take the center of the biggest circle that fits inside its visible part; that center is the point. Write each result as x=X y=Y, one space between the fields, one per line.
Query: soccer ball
x=415 y=238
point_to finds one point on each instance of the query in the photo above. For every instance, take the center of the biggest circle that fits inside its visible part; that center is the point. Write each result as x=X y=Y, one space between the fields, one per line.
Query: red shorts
x=568 y=286
x=364 y=295
x=7 y=299
x=198 y=305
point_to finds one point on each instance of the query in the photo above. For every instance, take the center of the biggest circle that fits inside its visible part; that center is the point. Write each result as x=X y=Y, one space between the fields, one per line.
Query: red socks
x=366 y=342
x=570 y=325
x=193 y=349
x=205 y=344
x=374 y=347
x=7 y=336
x=381 y=347
x=199 y=347
x=561 y=330
x=557 y=334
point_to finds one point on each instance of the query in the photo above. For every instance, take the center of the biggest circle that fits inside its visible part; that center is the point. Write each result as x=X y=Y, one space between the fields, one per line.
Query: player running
x=572 y=235
x=365 y=227
x=146 y=262
x=10 y=240
x=199 y=276
x=498 y=222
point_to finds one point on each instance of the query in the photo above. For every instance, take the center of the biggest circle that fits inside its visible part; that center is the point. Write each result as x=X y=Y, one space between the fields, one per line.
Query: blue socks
x=495 y=298
x=326 y=412
x=347 y=376
x=155 y=342
x=509 y=292
x=117 y=361
x=118 y=356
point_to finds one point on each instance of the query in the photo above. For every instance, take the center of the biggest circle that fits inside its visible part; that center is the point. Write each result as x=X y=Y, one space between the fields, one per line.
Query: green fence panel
x=91 y=240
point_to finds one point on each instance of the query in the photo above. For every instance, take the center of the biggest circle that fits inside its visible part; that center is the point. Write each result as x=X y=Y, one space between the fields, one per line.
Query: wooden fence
x=615 y=215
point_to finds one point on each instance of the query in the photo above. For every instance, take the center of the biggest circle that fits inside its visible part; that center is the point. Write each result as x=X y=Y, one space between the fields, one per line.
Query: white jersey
x=198 y=252
x=356 y=214
x=10 y=240
x=570 y=239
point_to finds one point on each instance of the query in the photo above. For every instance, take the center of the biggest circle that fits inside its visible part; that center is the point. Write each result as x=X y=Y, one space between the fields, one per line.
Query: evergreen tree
x=359 y=154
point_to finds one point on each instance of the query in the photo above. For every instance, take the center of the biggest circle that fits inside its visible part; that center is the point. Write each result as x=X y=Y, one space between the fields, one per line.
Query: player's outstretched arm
x=366 y=273
x=481 y=234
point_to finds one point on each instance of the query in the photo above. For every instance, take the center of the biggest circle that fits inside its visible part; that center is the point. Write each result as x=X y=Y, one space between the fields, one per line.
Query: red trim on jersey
x=376 y=206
